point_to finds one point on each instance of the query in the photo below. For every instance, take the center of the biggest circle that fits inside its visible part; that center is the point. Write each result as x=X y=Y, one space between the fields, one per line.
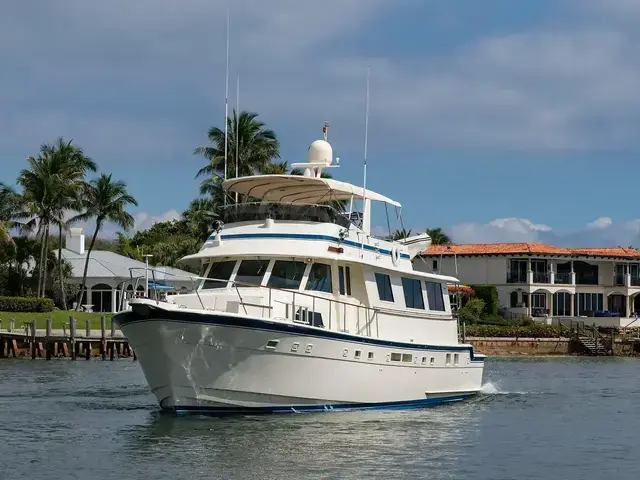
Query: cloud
x=143 y=221
x=602 y=232
x=153 y=69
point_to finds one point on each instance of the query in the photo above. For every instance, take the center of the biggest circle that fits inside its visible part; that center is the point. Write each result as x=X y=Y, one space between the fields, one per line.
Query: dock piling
x=48 y=345
x=33 y=339
x=72 y=336
x=103 y=337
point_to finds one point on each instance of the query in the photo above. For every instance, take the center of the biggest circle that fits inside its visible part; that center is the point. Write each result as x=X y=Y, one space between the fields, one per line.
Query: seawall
x=505 y=346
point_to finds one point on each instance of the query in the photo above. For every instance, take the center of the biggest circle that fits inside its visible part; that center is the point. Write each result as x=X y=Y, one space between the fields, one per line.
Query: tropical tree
x=10 y=206
x=105 y=200
x=438 y=237
x=248 y=140
x=400 y=234
x=73 y=164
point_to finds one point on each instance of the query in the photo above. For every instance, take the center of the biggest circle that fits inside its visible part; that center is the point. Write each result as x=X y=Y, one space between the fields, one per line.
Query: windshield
x=246 y=212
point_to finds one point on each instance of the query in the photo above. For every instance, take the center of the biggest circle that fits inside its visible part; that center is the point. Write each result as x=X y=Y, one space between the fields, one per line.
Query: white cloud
x=602 y=232
x=600 y=223
x=570 y=86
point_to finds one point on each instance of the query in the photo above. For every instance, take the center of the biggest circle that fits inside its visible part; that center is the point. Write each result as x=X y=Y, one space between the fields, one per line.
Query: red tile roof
x=529 y=249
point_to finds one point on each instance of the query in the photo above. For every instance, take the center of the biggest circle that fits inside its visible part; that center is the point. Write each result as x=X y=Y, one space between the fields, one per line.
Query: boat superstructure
x=300 y=307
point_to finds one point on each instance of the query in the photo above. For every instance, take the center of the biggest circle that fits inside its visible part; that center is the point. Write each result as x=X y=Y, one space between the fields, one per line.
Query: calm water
x=562 y=418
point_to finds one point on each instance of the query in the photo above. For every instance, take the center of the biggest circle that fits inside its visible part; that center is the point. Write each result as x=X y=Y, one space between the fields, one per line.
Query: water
x=567 y=418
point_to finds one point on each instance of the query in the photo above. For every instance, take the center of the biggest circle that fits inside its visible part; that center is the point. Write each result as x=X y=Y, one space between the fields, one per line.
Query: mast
x=366 y=224
x=237 y=126
x=226 y=105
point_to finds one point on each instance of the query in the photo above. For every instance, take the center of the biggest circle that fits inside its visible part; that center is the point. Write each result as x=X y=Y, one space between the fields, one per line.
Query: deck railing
x=299 y=307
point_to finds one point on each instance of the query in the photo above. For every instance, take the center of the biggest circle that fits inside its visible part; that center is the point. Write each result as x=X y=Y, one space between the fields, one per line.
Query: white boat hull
x=210 y=362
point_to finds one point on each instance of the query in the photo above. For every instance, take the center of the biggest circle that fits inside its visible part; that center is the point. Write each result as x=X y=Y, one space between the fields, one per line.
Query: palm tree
x=199 y=216
x=52 y=185
x=438 y=237
x=257 y=146
x=400 y=234
x=105 y=200
x=71 y=160
x=10 y=206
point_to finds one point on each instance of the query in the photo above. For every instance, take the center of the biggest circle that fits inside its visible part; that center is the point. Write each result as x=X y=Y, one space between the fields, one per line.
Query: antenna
x=226 y=103
x=364 y=184
x=237 y=125
x=325 y=130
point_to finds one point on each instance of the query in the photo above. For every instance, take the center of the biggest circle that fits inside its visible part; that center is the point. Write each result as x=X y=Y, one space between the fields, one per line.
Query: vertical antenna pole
x=226 y=104
x=364 y=184
x=237 y=127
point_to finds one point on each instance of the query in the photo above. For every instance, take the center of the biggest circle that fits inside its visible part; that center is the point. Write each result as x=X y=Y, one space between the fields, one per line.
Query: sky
x=495 y=120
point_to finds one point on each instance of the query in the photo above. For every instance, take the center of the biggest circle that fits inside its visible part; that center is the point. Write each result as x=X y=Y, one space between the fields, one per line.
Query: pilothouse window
x=320 y=278
x=251 y=271
x=434 y=296
x=219 y=271
x=286 y=274
x=384 y=287
x=412 y=293
x=344 y=280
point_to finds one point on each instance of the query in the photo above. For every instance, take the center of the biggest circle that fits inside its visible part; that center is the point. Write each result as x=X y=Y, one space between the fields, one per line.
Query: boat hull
x=213 y=363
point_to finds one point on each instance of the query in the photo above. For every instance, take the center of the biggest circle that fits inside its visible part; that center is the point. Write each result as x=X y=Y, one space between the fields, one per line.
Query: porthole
x=294 y=347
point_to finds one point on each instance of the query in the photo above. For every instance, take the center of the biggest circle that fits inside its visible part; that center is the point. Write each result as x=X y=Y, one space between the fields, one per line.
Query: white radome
x=320 y=151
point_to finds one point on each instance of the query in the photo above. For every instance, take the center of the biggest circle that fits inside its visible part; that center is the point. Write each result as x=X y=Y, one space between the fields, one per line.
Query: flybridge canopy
x=300 y=189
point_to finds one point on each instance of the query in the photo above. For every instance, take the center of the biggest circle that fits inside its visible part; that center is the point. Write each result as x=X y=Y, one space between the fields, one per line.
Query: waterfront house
x=544 y=280
x=113 y=278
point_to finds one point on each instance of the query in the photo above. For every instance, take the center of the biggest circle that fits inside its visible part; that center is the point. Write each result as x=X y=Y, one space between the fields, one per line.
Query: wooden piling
x=11 y=325
x=103 y=337
x=113 y=329
x=72 y=336
x=33 y=339
x=47 y=343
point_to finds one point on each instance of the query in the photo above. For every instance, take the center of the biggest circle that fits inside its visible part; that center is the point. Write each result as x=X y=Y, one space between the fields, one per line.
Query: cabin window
x=358 y=353
x=412 y=293
x=396 y=357
x=407 y=357
x=384 y=287
x=434 y=296
x=448 y=359
x=370 y=355
x=424 y=360
x=251 y=271
x=456 y=358
x=286 y=274
x=320 y=278
x=219 y=271
x=344 y=280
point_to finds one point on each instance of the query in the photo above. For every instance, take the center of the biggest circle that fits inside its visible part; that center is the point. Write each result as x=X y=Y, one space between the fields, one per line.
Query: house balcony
x=563 y=278
x=635 y=281
x=516 y=278
x=540 y=277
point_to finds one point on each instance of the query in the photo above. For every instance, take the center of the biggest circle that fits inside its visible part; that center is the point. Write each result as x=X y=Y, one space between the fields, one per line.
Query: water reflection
x=311 y=445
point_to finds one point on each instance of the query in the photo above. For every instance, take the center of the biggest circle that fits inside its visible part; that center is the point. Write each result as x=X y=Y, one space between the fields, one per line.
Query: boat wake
x=490 y=388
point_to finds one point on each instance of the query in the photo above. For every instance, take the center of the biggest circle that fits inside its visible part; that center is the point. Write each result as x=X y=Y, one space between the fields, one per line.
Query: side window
x=434 y=296
x=286 y=274
x=412 y=293
x=219 y=271
x=344 y=280
x=251 y=271
x=384 y=287
x=320 y=278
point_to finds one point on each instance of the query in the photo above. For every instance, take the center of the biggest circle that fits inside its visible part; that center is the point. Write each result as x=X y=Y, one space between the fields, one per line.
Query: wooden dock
x=49 y=343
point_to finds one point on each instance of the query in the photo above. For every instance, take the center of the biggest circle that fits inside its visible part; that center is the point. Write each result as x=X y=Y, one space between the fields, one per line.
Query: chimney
x=75 y=240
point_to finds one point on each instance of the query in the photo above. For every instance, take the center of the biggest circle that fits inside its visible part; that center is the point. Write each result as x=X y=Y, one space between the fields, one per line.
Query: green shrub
x=537 y=330
x=494 y=320
x=488 y=294
x=472 y=312
x=26 y=304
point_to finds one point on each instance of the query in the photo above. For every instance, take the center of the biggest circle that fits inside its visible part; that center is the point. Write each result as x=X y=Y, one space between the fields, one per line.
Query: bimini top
x=302 y=190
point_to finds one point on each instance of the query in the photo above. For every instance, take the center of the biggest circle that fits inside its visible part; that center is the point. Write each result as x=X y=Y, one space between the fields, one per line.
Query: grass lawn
x=58 y=316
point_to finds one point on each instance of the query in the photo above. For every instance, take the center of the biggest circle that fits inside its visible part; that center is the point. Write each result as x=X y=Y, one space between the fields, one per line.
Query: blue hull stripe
x=341 y=407
x=304 y=236
x=155 y=313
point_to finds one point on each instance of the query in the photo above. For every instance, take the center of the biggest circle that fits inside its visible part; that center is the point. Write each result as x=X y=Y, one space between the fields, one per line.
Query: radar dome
x=320 y=151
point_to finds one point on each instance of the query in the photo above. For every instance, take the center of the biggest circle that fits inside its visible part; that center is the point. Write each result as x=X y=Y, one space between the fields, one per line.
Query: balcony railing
x=541 y=277
x=517 y=277
x=563 y=278
x=618 y=280
x=586 y=279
